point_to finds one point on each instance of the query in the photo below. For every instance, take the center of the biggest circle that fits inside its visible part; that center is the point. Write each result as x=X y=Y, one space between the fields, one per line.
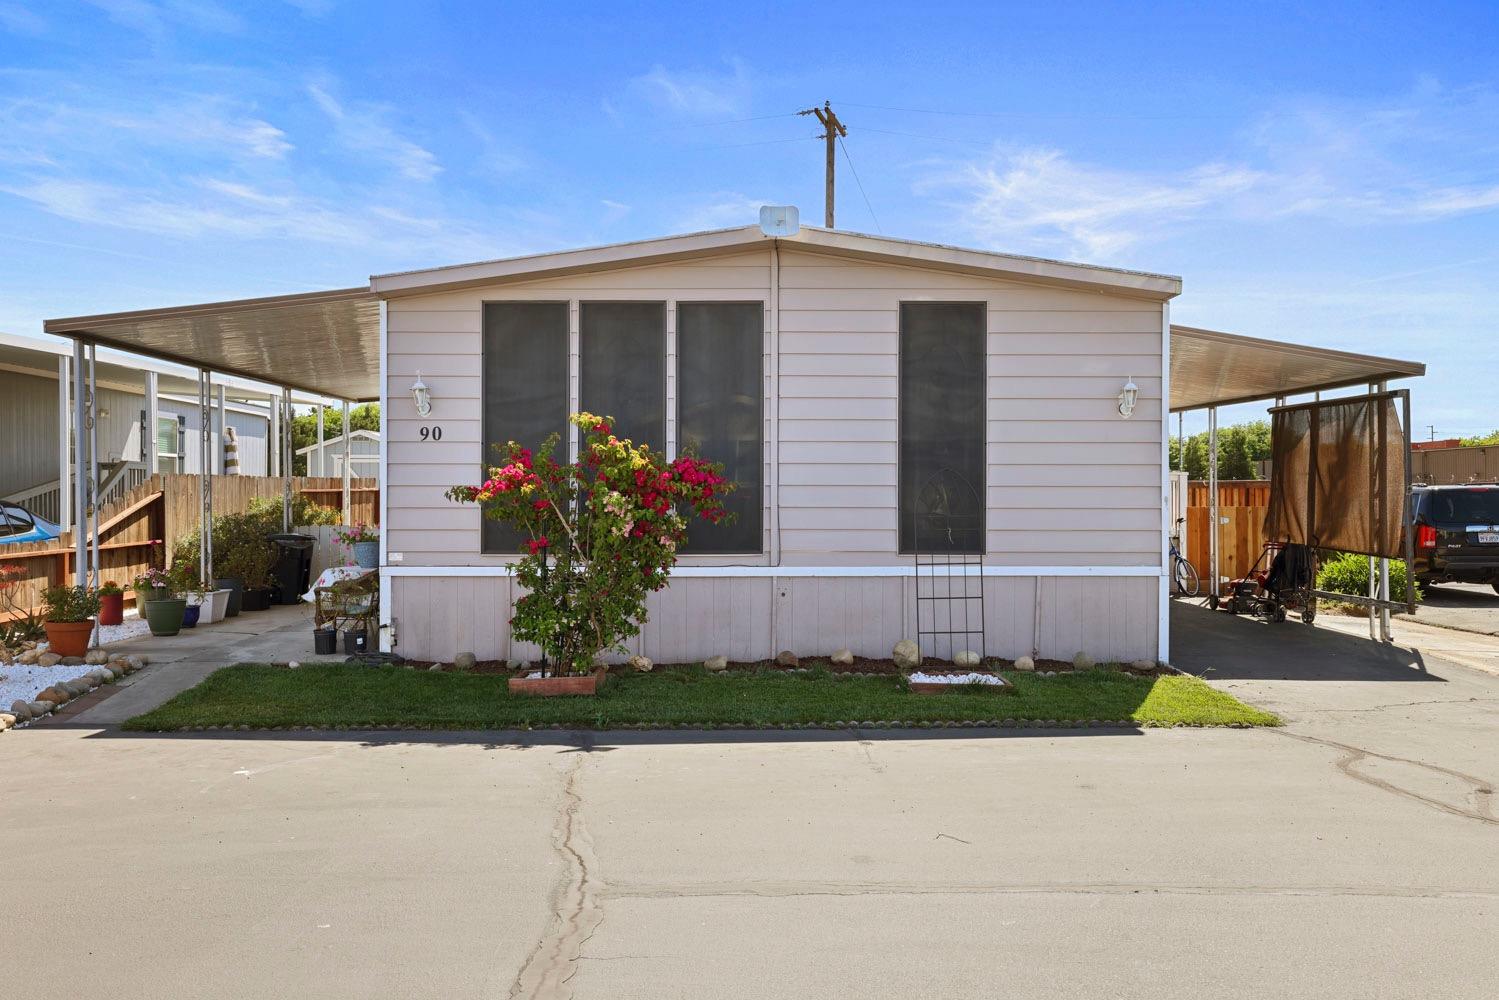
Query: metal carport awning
x=1210 y=368
x=323 y=343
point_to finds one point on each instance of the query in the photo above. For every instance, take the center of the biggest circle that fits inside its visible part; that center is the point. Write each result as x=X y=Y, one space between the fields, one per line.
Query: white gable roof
x=719 y=242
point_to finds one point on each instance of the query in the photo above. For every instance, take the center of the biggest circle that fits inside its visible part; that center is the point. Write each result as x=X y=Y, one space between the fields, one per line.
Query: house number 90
x=431 y=433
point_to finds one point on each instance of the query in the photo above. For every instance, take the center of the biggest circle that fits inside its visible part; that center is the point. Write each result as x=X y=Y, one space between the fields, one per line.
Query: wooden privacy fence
x=140 y=529
x=1242 y=505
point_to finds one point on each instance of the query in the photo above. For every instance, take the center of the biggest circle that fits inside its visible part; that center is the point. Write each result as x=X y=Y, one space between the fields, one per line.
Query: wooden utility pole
x=832 y=130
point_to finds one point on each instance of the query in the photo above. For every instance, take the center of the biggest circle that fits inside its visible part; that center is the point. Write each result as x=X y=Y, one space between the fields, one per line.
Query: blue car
x=17 y=524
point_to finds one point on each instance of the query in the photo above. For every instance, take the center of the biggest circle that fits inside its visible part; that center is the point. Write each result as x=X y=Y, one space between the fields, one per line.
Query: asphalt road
x=1353 y=854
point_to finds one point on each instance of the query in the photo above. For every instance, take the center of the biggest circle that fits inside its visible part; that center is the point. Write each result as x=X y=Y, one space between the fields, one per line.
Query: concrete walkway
x=179 y=662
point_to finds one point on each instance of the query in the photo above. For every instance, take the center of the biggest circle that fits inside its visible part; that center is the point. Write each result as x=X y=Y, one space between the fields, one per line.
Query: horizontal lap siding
x=440 y=336
x=1068 y=481
x=754 y=618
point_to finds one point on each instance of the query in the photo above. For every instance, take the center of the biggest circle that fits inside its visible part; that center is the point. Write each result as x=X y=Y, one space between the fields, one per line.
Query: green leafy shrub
x=1348 y=573
x=69 y=604
x=240 y=546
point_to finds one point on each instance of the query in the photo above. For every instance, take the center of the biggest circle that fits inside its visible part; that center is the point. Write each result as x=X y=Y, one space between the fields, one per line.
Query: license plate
x=1488 y=538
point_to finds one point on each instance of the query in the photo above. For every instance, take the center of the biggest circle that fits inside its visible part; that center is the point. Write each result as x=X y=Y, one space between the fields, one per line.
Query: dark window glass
x=942 y=373
x=622 y=367
x=525 y=388
x=720 y=350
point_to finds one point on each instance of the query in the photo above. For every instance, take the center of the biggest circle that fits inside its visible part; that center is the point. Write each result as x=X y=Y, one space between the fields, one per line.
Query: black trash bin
x=293 y=570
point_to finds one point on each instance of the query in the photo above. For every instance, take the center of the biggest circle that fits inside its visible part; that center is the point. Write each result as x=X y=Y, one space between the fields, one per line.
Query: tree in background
x=1240 y=448
x=1482 y=441
x=364 y=417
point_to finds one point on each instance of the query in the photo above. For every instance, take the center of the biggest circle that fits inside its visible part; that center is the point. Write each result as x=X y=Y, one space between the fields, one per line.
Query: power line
x=730 y=121
x=1027 y=114
x=855 y=171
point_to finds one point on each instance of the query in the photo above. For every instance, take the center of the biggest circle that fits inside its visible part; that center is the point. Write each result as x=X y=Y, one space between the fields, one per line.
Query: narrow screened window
x=622 y=367
x=942 y=393
x=525 y=388
x=720 y=355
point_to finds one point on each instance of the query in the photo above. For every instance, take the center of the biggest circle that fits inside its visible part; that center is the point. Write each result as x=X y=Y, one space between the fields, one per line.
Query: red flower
x=540 y=504
x=537 y=544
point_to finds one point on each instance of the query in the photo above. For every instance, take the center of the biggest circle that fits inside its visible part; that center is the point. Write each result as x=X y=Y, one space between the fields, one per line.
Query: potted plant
x=111 y=603
x=68 y=616
x=159 y=603
x=243 y=560
x=364 y=541
x=604 y=532
x=193 y=595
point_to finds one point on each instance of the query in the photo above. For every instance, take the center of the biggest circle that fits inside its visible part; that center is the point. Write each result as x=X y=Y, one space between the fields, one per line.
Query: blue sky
x=1318 y=172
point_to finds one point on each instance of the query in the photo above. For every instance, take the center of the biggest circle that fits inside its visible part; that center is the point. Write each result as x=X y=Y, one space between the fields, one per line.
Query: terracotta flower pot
x=69 y=638
x=111 y=609
x=551 y=687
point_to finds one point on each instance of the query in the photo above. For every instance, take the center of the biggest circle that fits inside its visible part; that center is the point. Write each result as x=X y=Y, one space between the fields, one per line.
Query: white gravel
x=969 y=678
x=22 y=683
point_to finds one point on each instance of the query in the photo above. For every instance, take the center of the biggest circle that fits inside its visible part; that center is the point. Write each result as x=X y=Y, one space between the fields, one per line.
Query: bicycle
x=1183 y=572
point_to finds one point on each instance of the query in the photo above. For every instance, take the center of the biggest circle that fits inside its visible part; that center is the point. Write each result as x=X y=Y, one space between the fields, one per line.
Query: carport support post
x=205 y=479
x=80 y=473
x=286 y=463
x=218 y=434
x=321 y=467
x=1384 y=562
x=93 y=454
x=273 y=438
x=1213 y=588
x=348 y=466
x=64 y=448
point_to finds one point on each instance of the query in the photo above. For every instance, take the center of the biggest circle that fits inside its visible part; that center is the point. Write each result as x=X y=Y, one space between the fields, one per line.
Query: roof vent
x=779 y=220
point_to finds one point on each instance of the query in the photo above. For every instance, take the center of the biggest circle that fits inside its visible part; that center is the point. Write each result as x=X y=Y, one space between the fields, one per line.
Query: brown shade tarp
x=1339 y=479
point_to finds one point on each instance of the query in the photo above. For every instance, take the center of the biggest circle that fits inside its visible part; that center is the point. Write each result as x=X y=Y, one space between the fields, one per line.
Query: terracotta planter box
x=111 y=609
x=551 y=687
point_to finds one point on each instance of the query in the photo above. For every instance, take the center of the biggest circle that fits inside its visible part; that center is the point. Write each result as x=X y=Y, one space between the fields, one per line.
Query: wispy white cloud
x=694 y=92
x=157 y=19
x=1408 y=161
x=361 y=128
x=20 y=20
x=720 y=211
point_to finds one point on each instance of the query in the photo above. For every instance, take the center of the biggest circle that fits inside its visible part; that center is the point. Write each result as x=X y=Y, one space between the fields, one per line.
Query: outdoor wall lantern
x=1127 y=397
x=422 y=395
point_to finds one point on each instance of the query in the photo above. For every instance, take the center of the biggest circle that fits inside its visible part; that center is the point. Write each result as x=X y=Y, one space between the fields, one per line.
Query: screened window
x=622 y=367
x=525 y=388
x=169 y=434
x=720 y=353
x=942 y=391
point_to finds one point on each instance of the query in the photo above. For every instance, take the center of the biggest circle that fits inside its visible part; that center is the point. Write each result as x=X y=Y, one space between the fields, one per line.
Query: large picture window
x=622 y=367
x=720 y=389
x=525 y=388
x=942 y=392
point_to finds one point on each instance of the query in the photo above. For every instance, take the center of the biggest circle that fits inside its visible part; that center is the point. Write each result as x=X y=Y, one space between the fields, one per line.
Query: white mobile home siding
x=1070 y=485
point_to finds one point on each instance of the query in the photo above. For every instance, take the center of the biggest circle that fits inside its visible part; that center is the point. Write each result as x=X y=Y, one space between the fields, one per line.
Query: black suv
x=1457 y=533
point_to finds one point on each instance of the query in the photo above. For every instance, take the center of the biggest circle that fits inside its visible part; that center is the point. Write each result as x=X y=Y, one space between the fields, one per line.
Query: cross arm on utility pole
x=832 y=130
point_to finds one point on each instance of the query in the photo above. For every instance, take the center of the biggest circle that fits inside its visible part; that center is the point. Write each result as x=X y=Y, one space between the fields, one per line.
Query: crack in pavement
x=554 y=960
x=1481 y=794
x=777 y=890
x=1403 y=704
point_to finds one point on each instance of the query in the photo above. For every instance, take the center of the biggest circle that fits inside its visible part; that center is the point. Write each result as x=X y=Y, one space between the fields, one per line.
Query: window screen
x=942 y=374
x=720 y=351
x=525 y=388
x=622 y=367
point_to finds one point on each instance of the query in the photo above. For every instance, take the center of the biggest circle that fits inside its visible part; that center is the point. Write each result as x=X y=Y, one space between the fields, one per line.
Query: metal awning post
x=80 y=473
x=348 y=497
x=286 y=469
x=153 y=415
x=218 y=434
x=93 y=456
x=64 y=447
x=322 y=469
x=273 y=438
x=1373 y=479
x=205 y=478
x=1384 y=500
x=1214 y=589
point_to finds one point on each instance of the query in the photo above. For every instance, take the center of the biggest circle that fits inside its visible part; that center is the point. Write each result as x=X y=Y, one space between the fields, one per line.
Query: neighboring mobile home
x=851 y=384
x=31 y=465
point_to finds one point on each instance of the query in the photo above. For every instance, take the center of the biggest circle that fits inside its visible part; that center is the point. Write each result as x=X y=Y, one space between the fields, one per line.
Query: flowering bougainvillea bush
x=602 y=533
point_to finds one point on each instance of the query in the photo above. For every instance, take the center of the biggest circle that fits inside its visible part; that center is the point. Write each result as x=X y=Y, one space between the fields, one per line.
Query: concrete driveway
x=1353 y=854
x=1467 y=606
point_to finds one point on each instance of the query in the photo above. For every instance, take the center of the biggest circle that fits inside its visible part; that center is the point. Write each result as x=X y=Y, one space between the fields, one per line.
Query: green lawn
x=265 y=696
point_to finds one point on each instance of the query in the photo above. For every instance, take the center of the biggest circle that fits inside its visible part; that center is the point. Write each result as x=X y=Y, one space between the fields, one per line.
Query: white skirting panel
x=748 y=618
